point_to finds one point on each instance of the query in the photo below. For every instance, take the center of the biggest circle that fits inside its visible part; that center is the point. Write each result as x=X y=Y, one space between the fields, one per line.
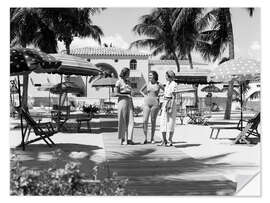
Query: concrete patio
x=195 y=165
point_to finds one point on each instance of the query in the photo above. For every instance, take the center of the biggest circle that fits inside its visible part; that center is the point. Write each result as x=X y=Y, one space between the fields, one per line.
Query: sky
x=117 y=24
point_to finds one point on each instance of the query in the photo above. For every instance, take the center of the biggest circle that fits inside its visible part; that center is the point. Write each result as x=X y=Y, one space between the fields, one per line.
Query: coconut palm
x=186 y=26
x=215 y=36
x=68 y=23
x=24 y=24
x=42 y=28
x=158 y=27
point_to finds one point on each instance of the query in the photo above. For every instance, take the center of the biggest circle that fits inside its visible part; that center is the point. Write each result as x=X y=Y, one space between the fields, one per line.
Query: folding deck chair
x=43 y=130
x=251 y=128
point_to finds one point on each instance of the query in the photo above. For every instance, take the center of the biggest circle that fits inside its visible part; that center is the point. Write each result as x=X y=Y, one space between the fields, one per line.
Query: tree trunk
x=195 y=86
x=67 y=45
x=176 y=61
x=190 y=60
x=25 y=92
x=227 y=114
x=196 y=95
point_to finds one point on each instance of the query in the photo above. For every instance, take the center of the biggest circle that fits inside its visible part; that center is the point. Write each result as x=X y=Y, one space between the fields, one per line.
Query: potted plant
x=91 y=110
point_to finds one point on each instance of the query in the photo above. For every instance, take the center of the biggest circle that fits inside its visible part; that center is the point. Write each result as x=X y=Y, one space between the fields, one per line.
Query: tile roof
x=172 y=62
x=106 y=51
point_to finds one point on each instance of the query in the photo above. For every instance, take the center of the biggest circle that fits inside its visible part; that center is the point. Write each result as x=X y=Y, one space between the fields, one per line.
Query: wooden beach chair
x=43 y=131
x=250 y=128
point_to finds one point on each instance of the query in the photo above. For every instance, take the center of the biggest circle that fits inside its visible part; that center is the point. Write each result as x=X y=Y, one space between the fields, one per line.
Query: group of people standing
x=151 y=107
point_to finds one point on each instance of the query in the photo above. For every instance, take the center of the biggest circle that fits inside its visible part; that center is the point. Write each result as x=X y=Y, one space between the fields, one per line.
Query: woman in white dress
x=168 y=114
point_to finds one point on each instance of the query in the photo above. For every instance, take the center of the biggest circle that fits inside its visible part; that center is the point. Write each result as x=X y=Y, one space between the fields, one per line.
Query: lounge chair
x=43 y=130
x=251 y=128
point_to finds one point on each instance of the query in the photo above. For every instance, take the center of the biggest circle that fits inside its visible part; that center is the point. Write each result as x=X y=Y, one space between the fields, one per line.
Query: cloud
x=116 y=40
x=255 y=45
x=254 y=50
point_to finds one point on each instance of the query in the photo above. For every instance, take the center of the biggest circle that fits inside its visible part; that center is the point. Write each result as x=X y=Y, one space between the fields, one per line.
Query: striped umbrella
x=73 y=65
x=210 y=88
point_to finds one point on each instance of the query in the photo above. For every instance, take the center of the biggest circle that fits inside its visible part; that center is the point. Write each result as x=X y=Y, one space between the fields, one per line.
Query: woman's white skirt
x=167 y=120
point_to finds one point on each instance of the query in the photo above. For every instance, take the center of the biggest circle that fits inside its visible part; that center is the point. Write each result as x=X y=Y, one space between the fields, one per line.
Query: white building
x=112 y=60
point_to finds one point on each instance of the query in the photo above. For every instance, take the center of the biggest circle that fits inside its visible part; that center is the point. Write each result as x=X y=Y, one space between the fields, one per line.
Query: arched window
x=133 y=64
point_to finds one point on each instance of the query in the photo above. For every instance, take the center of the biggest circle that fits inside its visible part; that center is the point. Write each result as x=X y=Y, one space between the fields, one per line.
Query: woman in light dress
x=125 y=108
x=168 y=114
x=151 y=104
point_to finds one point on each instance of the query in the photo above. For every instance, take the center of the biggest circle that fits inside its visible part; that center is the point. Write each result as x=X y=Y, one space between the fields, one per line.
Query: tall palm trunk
x=190 y=60
x=25 y=92
x=63 y=96
x=227 y=114
x=25 y=88
x=176 y=61
x=195 y=86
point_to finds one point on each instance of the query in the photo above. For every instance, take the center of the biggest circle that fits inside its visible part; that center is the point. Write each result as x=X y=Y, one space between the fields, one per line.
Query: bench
x=218 y=128
x=81 y=120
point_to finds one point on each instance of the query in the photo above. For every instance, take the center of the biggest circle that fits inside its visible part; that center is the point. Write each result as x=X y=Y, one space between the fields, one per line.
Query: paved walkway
x=195 y=165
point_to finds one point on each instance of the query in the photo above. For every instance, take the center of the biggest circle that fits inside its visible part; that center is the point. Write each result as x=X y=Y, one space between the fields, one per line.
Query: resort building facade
x=111 y=60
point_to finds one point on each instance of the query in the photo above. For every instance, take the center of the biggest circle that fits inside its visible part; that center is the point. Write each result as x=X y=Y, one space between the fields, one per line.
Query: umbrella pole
x=49 y=100
x=109 y=94
x=60 y=95
x=20 y=105
x=241 y=103
x=86 y=78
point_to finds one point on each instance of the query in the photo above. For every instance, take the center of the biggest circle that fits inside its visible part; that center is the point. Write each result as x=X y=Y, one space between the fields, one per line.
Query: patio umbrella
x=210 y=89
x=105 y=82
x=25 y=60
x=73 y=65
x=240 y=70
x=66 y=87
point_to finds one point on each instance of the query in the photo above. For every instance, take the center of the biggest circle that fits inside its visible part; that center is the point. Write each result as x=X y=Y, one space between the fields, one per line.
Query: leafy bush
x=63 y=181
x=137 y=110
x=91 y=109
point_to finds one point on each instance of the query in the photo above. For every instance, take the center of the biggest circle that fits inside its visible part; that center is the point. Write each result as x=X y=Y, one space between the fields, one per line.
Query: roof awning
x=195 y=76
x=184 y=88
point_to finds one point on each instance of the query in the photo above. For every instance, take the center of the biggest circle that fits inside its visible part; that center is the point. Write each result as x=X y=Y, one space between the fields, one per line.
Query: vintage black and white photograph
x=135 y=101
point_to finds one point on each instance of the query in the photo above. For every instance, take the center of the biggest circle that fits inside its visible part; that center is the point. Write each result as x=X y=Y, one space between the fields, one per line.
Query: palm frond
x=255 y=95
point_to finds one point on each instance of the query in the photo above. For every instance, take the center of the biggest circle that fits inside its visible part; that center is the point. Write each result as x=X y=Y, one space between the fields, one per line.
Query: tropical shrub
x=63 y=181
x=137 y=110
x=91 y=109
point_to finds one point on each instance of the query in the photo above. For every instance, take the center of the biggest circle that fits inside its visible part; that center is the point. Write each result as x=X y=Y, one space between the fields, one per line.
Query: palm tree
x=42 y=27
x=186 y=26
x=158 y=27
x=23 y=26
x=68 y=23
x=215 y=36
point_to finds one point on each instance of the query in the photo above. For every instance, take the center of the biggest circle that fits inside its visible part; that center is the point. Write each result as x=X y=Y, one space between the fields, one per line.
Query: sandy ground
x=88 y=150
